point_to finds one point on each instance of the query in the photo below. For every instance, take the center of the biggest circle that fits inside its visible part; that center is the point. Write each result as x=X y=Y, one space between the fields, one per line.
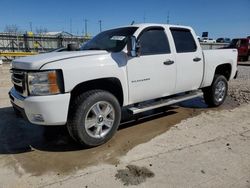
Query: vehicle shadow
x=19 y=136
x=196 y=103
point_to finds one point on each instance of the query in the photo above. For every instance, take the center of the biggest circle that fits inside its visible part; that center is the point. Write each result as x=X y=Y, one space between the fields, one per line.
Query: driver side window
x=154 y=42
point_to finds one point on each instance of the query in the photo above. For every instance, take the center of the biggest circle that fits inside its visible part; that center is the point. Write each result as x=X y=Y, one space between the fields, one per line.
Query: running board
x=165 y=102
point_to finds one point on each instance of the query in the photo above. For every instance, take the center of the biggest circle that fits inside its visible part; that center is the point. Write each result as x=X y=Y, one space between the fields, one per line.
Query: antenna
x=132 y=23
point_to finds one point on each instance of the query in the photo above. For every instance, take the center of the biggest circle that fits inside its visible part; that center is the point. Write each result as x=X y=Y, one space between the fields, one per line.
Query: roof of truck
x=155 y=24
x=144 y=25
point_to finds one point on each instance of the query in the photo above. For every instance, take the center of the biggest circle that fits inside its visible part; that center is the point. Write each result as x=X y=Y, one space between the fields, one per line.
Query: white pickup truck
x=119 y=68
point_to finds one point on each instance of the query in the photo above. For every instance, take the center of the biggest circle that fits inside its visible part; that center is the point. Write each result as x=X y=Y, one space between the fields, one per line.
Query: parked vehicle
x=119 y=68
x=223 y=40
x=208 y=40
x=243 y=47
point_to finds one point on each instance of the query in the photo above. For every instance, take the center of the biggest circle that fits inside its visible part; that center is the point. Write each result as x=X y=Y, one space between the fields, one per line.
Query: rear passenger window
x=184 y=40
x=154 y=42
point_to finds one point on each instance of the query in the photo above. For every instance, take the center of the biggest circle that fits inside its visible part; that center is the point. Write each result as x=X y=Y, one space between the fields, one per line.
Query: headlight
x=44 y=83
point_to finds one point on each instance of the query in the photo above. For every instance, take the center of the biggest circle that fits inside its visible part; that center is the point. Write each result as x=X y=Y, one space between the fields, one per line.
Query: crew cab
x=120 y=68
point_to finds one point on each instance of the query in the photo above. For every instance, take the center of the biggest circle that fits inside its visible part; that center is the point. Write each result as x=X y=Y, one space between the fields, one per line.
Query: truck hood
x=37 y=61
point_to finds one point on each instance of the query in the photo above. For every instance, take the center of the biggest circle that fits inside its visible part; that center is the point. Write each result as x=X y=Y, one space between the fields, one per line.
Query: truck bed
x=213 y=58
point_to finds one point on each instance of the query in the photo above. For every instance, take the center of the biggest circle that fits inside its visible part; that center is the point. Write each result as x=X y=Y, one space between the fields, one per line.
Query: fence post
x=60 y=41
x=26 y=43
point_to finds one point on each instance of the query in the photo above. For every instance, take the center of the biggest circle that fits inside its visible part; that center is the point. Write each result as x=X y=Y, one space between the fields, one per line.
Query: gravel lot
x=239 y=89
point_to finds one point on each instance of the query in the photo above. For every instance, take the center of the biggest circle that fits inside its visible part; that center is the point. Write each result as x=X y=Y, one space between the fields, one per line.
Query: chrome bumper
x=16 y=98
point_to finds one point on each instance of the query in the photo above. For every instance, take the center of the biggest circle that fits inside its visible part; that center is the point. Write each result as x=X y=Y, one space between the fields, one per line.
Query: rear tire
x=215 y=94
x=94 y=117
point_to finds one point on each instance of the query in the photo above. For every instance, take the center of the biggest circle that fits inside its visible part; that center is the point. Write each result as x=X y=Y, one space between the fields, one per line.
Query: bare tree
x=13 y=28
x=41 y=30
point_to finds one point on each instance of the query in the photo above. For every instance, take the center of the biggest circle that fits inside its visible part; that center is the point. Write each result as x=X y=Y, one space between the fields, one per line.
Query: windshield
x=112 y=40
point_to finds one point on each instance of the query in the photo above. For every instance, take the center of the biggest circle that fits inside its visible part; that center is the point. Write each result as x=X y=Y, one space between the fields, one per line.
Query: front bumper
x=42 y=110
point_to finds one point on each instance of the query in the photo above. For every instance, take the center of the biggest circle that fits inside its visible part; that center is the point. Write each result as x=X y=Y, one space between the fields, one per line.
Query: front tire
x=215 y=94
x=94 y=118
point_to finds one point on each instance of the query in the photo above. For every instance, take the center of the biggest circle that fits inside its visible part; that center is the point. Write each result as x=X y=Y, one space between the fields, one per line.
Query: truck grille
x=18 y=79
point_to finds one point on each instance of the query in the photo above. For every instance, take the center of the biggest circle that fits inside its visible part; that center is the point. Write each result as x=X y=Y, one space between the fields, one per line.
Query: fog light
x=37 y=118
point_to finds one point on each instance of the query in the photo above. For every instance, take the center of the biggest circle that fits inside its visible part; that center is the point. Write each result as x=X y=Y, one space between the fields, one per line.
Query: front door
x=153 y=73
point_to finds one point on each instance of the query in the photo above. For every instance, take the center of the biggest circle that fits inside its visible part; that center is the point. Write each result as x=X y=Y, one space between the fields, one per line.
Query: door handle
x=196 y=59
x=168 y=62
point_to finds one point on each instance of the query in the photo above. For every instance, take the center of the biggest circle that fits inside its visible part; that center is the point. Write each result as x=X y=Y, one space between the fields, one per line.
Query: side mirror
x=132 y=47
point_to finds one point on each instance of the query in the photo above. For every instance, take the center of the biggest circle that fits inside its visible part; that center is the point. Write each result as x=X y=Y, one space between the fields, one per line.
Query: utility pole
x=144 y=17
x=70 y=25
x=83 y=27
x=100 y=25
x=86 y=27
x=168 y=18
x=30 y=26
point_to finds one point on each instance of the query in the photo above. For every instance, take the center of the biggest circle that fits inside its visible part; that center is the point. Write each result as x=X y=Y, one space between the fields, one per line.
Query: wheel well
x=112 y=85
x=225 y=70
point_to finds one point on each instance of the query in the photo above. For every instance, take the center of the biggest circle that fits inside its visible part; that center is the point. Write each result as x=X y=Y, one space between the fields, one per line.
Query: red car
x=243 y=46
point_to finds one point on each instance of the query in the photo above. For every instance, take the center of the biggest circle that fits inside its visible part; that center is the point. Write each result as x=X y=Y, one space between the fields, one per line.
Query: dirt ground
x=184 y=145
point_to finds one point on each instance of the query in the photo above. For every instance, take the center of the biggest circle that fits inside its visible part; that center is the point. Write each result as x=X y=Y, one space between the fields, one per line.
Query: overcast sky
x=221 y=18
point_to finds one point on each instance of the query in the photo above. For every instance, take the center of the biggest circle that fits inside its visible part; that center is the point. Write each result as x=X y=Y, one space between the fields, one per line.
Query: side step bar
x=166 y=102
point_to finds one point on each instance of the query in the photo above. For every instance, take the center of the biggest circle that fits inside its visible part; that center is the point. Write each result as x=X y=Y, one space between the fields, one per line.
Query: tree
x=13 y=28
x=41 y=30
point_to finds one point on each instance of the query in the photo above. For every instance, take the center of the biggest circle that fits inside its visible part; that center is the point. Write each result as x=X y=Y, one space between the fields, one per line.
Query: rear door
x=189 y=60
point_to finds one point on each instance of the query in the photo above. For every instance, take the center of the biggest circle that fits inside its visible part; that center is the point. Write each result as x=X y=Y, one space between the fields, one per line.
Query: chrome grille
x=18 y=78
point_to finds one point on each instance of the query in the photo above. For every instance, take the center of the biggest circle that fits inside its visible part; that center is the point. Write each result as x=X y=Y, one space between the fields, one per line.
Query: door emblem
x=140 y=80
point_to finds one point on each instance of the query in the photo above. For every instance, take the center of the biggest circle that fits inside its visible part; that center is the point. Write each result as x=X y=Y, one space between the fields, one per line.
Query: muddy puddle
x=37 y=149
x=133 y=175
